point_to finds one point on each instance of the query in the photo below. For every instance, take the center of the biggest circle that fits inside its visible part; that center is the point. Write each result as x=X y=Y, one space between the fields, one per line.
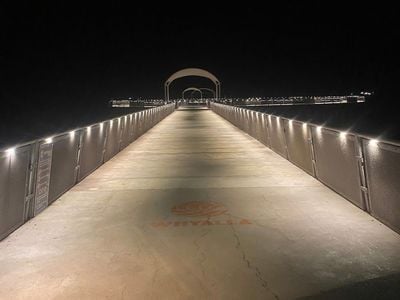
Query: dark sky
x=56 y=53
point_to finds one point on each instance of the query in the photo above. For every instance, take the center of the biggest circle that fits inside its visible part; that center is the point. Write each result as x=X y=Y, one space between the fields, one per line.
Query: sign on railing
x=43 y=178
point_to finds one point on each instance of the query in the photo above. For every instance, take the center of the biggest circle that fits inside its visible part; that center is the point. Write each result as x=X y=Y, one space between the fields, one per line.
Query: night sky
x=56 y=54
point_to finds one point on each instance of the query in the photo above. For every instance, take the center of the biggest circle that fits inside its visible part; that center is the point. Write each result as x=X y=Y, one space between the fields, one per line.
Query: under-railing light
x=290 y=122
x=304 y=125
x=48 y=140
x=319 y=128
x=72 y=133
x=10 y=151
x=343 y=134
x=373 y=142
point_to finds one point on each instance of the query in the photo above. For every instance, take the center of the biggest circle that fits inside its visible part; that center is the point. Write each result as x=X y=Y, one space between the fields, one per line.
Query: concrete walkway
x=196 y=209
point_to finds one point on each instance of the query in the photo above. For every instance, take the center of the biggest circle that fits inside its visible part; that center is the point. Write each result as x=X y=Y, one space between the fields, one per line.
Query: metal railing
x=362 y=169
x=35 y=174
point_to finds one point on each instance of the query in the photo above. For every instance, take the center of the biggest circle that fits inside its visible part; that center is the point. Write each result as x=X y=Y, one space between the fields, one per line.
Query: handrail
x=71 y=130
x=365 y=136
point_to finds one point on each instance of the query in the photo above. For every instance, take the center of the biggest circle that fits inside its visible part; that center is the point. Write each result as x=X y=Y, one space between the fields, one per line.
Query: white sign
x=43 y=177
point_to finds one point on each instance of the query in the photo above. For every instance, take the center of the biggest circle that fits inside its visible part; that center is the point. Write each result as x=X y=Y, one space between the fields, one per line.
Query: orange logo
x=165 y=224
x=205 y=209
x=199 y=209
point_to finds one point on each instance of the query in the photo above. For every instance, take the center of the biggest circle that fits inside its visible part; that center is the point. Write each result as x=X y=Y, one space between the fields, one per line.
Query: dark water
x=26 y=124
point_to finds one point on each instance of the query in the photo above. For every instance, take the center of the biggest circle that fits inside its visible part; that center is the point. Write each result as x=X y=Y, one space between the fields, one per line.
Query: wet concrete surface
x=196 y=209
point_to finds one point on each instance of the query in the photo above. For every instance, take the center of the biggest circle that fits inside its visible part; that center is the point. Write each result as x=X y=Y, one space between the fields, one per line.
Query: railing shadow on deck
x=382 y=288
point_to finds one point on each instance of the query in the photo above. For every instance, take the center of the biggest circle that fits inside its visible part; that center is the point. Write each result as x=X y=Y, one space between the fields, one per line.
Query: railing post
x=30 y=186
x=311 y=142
x=362 y=173
x=78 y=156
x=106 y=130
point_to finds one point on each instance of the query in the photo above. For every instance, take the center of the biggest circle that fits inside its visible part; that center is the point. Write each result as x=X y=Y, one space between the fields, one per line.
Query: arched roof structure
x=193 y=89
x=192 y=72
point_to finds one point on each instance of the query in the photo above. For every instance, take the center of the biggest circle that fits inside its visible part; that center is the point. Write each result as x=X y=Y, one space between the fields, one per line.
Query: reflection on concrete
x=196 y=209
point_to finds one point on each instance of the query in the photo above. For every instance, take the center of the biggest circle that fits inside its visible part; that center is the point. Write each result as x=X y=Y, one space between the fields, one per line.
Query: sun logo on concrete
x=199 y=209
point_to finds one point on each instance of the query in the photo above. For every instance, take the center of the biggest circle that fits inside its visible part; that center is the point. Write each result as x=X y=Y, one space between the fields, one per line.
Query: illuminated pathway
x=196 y=209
